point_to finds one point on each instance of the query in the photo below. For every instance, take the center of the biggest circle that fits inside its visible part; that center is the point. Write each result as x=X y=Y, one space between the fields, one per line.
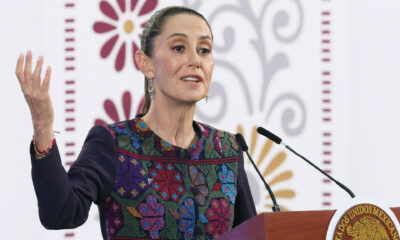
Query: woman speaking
x=161 y=175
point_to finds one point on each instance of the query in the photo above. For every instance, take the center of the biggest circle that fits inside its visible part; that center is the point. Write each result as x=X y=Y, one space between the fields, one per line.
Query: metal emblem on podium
x=363 y=220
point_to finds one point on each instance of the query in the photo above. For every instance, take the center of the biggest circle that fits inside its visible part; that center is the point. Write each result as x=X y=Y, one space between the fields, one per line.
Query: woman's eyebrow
x=205 y=37
x=185 y=36
x=177 y=35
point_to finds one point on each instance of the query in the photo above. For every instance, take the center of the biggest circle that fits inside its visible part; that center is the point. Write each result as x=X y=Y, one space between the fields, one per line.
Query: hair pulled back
x=152 y=29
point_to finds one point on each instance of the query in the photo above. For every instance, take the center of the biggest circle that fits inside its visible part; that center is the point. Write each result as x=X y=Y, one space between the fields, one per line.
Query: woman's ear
x=145 y=64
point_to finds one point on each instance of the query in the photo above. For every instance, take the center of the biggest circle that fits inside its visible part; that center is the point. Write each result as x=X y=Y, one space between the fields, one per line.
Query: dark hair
x=152 y=29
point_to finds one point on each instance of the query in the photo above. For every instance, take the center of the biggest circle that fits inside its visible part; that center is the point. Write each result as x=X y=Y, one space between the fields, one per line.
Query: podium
x=297 y=225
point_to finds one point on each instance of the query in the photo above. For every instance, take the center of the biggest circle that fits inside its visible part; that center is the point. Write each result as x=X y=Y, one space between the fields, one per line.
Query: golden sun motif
x=267 y=170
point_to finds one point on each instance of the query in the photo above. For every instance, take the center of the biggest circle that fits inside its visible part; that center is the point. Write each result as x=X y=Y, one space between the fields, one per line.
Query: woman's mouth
x=192 y=78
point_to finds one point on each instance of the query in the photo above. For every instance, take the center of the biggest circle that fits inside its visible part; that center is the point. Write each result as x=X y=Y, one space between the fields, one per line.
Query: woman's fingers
x=36 y=74
x=28 y=68
x=46 y=80
x=35 y=91
x=19 y=70
x=31 y=83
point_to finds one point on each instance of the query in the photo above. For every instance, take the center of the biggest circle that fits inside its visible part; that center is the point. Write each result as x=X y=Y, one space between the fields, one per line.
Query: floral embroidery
x=204 y=131
x=188 y=218
x=217 y=142
x=197 y=148
x=166 y=146
x=227 y=177
x=124 y=134
x=141 y=128
x=232 y=139
x=157 y=201
x=199 y=187
x=167 y=181
x=149 y=148
x=134 y=212
x=218 y=215
x=131 y=178
x=114 y=220
x=153 y=216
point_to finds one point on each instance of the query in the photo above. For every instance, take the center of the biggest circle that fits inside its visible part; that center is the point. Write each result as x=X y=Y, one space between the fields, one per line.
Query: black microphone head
x=242 y=142
x=269 y=135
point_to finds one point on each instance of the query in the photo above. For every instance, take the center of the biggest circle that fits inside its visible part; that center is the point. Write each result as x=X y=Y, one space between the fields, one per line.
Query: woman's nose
x=194 y=59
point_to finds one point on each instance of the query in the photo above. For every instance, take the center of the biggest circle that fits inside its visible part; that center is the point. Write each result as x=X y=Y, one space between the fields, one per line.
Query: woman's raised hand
x=37 y=96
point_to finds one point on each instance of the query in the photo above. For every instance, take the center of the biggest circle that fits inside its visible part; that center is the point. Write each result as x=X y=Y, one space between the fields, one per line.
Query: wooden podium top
x=286 y=226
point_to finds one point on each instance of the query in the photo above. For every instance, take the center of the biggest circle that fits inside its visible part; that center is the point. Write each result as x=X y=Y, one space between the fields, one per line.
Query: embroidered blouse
x=146 y=188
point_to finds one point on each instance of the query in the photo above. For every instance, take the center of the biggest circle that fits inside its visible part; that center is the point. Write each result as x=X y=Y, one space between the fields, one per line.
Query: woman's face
x=182 y=59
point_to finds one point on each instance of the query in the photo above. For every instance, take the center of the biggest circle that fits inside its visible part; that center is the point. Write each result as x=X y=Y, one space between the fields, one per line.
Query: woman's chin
x=193 y=98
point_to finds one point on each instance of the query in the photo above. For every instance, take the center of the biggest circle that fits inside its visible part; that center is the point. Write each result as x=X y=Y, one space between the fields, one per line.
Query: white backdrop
x=321 y=74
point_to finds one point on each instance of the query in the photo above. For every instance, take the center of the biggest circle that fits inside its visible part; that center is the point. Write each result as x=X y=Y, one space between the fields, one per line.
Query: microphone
x=278 y=140
x=245 y=148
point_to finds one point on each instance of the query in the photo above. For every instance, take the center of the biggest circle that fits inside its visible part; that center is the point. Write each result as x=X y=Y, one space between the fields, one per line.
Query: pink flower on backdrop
x=111 y=109
x=124 y=25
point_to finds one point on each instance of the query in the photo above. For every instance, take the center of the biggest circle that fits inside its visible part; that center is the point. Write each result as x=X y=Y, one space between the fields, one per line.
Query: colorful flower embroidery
x=199 y=187
x=131 y=179
x=124 y=25
x=197 y=148
x=114 y=219
x=188 y=218
x=141 y=128
x=166 y=148
x=218 y=215
x=125 y=134
x=208 y=210
x=204 y=130
x=167 y=181
x=227 y=177
x=153 y=216
x=149 y=148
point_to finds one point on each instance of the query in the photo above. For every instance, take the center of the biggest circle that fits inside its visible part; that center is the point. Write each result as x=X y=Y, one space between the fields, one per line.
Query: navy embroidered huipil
x=145 y=187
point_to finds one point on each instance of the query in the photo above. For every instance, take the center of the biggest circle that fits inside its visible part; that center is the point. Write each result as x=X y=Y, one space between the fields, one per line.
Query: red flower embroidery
x=167 y=181
x=124 y=26
x=218 y=216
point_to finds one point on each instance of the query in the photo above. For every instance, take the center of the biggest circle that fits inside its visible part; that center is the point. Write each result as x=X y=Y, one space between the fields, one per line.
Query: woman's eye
x=178 y=48
x=204 y=51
